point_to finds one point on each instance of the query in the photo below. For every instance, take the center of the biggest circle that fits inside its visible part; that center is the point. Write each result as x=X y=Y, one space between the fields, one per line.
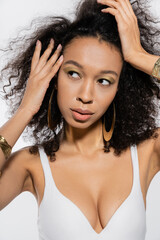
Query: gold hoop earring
x=50 y=124
x=108 y=135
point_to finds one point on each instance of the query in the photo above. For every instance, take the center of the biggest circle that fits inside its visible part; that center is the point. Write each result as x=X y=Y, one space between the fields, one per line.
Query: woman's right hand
x=42 y=71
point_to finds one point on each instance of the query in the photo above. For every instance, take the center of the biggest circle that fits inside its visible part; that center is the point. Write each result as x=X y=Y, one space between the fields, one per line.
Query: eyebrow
x=80 y=66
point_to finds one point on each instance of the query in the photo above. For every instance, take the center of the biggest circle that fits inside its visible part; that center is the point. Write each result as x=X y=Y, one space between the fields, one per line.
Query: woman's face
x=88 y=79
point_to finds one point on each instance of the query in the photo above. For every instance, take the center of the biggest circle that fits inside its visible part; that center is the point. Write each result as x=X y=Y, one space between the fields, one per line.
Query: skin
x=129 y=34
x=87 y=88
x=96 y=184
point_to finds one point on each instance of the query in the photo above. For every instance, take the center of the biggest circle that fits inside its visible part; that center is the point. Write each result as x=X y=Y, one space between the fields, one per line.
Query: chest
x=98 y=186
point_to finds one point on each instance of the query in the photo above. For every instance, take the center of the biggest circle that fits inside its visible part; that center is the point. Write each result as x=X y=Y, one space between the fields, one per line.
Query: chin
x=80 y=124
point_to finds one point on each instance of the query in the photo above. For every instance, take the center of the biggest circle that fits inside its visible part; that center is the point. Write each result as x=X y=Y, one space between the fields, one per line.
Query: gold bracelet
x=6 y=148
x=156 y=69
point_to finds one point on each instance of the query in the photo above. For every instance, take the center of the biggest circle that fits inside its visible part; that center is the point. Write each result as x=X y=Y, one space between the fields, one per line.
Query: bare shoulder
x=152 y=144
x=16 y=176
x=18 y=160
x=22 y=158
x=31 y=161
x=35 y=182
x=150 y=152
x=23 y=162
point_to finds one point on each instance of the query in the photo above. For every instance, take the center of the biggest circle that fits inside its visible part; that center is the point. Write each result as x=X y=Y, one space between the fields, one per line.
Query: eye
x=73 y=74
x=104 y=82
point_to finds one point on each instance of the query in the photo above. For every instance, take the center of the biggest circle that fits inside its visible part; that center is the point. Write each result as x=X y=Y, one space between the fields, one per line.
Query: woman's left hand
x=127 y=26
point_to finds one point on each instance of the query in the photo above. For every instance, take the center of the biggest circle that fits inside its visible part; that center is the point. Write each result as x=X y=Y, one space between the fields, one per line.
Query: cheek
x=64 y=89
x=64 y=93
x=104 y=100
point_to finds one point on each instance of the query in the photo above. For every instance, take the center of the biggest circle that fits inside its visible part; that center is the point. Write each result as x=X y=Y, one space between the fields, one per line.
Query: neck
x=84 y=141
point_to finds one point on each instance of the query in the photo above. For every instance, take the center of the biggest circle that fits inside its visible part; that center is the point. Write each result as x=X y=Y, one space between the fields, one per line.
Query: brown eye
x=73 y=74
x=104 y=82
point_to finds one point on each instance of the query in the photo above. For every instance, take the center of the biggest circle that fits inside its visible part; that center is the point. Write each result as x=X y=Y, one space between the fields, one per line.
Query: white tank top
x=60 y=219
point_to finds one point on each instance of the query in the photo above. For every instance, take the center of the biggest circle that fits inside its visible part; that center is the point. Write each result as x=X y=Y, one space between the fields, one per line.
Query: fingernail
x=51 y=41
x=38 y=43
x=61 y=58
x=59 y=47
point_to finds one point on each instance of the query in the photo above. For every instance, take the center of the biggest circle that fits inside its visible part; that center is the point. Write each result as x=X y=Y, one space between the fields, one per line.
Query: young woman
x=88 y=99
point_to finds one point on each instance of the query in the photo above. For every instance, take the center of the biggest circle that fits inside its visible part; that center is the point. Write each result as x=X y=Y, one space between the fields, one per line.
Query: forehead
x=90 y=51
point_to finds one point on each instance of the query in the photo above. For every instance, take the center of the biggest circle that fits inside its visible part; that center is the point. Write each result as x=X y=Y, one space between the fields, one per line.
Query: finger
x=131 y=9
x=55 y=68
x=128 y=8
x=52 y=60
x=115 y=13
x=36 y=55
x=132 y=19
x=45 y=56
x=118 y=6
x=56 y=54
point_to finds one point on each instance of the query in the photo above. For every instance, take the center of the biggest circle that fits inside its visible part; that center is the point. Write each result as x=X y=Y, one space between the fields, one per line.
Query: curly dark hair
x=136 y=109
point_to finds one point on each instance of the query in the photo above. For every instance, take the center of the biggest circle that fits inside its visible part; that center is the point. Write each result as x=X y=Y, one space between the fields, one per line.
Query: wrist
x=25 y=113
x=143 y=61
x=137 y=57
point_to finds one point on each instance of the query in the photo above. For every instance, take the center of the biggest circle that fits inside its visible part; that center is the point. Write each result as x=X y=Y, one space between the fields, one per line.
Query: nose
x=85 y=94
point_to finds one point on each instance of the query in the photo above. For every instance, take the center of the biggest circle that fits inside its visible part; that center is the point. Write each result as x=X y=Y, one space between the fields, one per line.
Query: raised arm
x=14 y=169
x=129 y=33
x=132 y=49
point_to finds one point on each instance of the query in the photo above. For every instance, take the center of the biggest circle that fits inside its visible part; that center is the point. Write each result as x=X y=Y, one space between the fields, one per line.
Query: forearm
x=13 y=128
x=144 y=62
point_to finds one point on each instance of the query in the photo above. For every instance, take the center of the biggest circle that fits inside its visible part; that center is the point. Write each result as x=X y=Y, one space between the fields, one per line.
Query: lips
x=82 y=111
